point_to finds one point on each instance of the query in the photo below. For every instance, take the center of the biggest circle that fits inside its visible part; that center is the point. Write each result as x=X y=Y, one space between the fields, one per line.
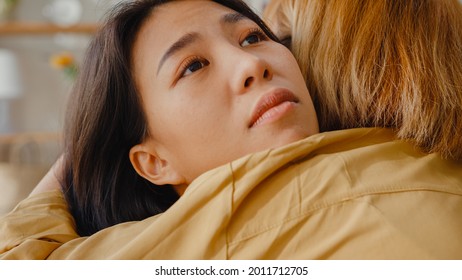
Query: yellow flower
x=62 y=60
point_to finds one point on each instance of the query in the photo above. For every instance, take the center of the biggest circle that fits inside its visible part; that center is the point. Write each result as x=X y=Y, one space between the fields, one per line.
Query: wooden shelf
x=30 y=136
x=35 y=28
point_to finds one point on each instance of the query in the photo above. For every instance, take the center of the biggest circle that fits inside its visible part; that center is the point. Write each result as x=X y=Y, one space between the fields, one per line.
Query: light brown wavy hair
x=385 y=63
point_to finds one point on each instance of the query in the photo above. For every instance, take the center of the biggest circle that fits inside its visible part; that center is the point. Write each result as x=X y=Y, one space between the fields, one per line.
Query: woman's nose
x=251 y=70
x=249 y=80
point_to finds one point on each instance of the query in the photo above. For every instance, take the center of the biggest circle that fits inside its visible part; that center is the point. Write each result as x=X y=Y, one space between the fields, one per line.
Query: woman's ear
x=153 y=168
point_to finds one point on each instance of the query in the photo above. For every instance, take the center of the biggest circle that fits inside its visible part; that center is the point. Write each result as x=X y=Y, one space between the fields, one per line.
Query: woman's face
x=215 y=88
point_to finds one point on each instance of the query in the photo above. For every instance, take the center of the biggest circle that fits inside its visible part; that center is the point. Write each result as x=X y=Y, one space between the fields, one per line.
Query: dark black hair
x=105 y=119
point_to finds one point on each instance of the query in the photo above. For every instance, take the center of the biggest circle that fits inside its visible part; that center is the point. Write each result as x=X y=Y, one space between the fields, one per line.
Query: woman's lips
x=272 y=106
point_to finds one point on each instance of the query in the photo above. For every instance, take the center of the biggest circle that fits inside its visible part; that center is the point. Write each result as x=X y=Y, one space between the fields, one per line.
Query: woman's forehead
x=188 y=11
x=172 y=20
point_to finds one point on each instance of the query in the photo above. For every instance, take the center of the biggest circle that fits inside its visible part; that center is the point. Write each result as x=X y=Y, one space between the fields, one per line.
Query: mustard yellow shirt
x=352 y=194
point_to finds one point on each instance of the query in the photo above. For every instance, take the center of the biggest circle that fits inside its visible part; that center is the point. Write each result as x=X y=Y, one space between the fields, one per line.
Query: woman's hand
x=50 y=181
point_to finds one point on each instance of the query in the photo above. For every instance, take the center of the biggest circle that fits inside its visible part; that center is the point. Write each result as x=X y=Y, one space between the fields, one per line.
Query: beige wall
x=33 y=142
x=45 y=90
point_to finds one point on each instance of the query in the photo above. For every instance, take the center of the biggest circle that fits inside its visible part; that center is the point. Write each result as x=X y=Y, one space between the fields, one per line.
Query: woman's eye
x=193 y=66
x=253 y=38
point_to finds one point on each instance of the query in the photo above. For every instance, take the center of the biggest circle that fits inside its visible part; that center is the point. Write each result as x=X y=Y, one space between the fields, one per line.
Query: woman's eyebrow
x=232 y=18
x=189 y=38
x=180 y=44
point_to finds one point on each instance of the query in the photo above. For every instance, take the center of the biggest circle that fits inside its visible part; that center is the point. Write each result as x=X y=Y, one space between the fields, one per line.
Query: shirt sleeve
x=36 y=227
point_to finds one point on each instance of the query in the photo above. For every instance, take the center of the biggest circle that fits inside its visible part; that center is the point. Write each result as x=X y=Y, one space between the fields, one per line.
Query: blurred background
x=41 y=45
